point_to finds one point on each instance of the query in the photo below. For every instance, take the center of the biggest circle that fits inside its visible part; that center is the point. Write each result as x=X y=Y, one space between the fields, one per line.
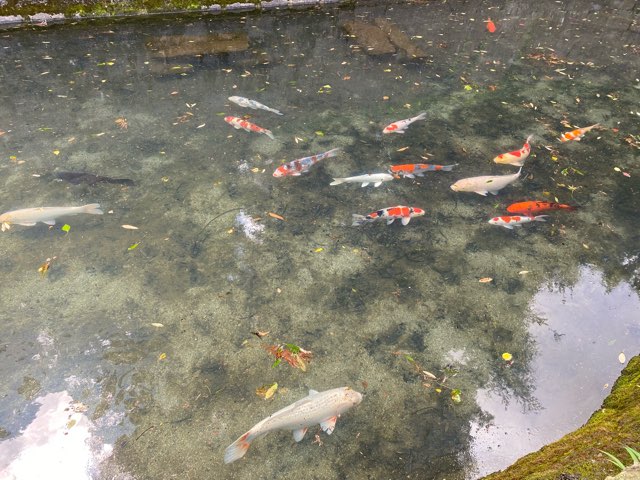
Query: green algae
x=614 y=425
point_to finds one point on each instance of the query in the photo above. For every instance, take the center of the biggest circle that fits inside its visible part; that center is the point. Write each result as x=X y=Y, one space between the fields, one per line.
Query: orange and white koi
x=510 y=221
x=239 y=123
x=302 y=165
x=390 y=214
x=412 y=170
x=318 y=407
x=517 y=157
x=401 y=125
x=576 y=134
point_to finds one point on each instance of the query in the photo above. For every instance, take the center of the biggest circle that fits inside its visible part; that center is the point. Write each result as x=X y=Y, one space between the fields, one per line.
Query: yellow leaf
x=468 y=87
x=270 y=391
x=56 y=152
x=506 y=356
x=162 y=356
x=319 y=249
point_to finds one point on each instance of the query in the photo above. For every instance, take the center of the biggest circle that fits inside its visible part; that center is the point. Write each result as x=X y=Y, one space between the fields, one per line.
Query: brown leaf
x=275 y=215
x=485 y=280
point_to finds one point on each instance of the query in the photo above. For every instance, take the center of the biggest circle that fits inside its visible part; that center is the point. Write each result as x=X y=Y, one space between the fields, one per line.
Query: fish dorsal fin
x=299 y=434
x=312 y=392
x=329 y=425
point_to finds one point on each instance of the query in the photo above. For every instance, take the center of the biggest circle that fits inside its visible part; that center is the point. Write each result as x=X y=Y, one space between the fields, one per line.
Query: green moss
x=104 y=8
x=617 y=423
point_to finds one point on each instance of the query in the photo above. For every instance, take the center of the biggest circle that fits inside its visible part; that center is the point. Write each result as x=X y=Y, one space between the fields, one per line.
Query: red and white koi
x=302 y=165
x=318 y=407
x=390 y=214
x=239 y=123
x=517 y=157
x=401 y=125
x=510 y=221
x=412 y=170
x=576 y=134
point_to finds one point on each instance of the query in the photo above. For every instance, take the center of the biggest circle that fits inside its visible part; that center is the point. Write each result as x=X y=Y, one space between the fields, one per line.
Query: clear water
x=165 y=401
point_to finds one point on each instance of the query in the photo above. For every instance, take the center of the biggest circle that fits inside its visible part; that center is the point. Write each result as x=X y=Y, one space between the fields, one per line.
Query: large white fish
x=248 y=103
x=375 y=178
x=319 y=407
x=30 y=216
x=485 y=184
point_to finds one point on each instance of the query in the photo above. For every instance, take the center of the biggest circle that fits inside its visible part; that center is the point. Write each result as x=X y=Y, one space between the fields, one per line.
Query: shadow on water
x=146 y=333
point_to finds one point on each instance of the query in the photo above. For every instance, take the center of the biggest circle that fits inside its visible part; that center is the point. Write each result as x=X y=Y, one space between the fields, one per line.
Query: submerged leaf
x=65 y=228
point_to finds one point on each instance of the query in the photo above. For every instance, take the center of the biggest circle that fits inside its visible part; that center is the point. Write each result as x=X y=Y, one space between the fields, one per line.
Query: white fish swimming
x=485 y=184
x=248 y=103
x=375 y=178
x=30 y=216
x=401 y=125
x=318 y=407
x=510 y=221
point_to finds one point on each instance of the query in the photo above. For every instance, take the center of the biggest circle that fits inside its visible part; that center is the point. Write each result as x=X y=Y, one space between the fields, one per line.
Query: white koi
x=375 y=178
x=248 y=103
x=485 y=184
x=401 y=125
x=30 y=216
x=510 y=221
x=318 y=407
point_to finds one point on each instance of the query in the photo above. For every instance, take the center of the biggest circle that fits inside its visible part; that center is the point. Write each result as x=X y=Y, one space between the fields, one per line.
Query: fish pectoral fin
x=299 y=434
x=411 y=175
x=493 y=192
x=329 y=425
x=510 y=227
x=390 y=221
x=482 y=192
x=49 y=222
x=377 y=184
x=364 y=184
x=405 y=220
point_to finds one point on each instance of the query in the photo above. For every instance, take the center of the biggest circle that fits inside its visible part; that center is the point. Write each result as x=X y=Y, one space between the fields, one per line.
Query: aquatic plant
x=634 y=454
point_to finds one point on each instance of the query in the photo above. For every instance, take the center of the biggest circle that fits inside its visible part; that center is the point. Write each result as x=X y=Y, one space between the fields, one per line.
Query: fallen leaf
x=122 y=123
x=275 y=215
x=162 y=356
x=523 y=272
x=133 y=247
x=485 y=280
x=56 y=152
x=157 y=325
x=319 y=249
x=402 y=149
x=260 y=333
x=429 y=374
x=622 y=358
x=65 y=228
x=129 y=227
x=269 y=393
x=507 y=357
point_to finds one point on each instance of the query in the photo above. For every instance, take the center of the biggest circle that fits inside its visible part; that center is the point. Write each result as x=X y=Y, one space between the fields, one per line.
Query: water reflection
x=578 y=333
x=151 y=328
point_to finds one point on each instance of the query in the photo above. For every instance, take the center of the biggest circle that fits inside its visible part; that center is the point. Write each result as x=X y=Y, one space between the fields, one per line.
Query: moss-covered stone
x=577 y=455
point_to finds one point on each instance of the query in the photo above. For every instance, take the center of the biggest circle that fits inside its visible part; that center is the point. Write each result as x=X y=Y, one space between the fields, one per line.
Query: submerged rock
x=399 y=38
x=373 y=40
x=171 y=46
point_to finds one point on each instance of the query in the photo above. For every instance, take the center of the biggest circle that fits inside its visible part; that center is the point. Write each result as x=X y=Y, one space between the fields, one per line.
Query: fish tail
x=333 y=152
x=92 y=208
x=358 y=220
x=448 y=168
x=269 y=134
x=277 y=112
x=421 y=116
x=238 y=448
x=338 y=181
x=529 y=138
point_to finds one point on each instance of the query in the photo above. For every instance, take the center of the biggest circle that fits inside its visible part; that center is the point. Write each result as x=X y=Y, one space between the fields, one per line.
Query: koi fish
x=30 y=216
x=401 y=125
x=248 y=103
x=517 y=157
x=532 y=207
x=302 y=165
x=239 y=123
x=319 y=407
x=510 y=221
x=375 y=178
x=390 y=214
x=576 y=134
x=485 y=184
x=412 y=170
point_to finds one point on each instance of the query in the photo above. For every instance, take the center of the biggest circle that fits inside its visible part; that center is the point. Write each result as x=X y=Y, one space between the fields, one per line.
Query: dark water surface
x=134 y=352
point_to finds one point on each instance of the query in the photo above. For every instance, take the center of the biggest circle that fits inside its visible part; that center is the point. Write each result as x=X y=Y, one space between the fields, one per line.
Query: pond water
x=135 y=353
